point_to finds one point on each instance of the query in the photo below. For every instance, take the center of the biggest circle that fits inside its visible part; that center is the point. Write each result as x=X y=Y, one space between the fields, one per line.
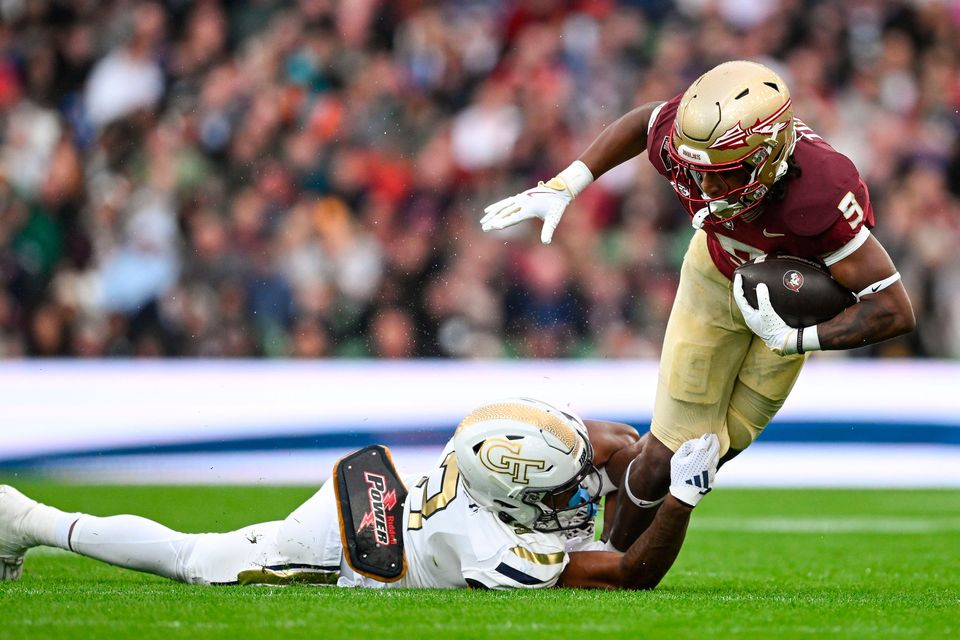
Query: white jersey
x=451 y=543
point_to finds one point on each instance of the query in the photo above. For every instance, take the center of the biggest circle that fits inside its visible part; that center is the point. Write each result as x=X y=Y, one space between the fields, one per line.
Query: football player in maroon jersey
x=754 y=180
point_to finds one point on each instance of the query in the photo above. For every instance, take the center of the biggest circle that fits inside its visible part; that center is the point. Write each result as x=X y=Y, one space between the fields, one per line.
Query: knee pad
x=748 y=414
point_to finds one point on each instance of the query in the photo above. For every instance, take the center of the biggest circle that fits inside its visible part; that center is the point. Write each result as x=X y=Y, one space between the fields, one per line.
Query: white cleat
x=14 y=506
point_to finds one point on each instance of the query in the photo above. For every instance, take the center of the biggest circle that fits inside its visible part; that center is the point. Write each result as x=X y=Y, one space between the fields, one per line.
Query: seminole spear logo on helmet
x=736 y=136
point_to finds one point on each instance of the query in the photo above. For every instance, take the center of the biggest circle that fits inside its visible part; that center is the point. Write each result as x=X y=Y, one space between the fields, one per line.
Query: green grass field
x=756 y=564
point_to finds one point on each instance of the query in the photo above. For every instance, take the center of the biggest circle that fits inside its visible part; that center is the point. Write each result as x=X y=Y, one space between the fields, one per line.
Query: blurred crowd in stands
x=304 y=178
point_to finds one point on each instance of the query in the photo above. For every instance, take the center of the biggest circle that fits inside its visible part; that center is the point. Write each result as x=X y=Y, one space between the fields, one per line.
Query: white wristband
x=808 y=339
x=577 y=177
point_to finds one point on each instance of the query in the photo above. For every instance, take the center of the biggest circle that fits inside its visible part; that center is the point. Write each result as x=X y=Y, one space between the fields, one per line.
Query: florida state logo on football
x=793 y=280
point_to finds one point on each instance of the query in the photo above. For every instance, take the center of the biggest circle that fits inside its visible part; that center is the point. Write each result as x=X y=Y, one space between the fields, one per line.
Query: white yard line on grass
x=827 y=524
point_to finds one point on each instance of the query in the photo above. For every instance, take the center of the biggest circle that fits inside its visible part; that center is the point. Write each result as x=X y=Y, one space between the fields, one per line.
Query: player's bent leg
x=704 y=347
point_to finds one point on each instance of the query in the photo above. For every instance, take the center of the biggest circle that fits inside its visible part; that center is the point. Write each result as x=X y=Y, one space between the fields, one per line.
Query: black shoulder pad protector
x=370 y=499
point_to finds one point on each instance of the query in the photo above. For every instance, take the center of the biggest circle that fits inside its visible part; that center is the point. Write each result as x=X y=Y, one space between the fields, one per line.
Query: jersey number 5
x=851 y=210
x=438 y=501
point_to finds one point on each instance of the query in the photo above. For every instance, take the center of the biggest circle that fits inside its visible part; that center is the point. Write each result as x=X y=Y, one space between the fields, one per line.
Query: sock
x=48 y=526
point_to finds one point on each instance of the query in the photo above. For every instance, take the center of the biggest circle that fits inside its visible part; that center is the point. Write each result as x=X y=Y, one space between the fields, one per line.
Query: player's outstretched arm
x=624 y=139
x=643 y=565
x=692 y=473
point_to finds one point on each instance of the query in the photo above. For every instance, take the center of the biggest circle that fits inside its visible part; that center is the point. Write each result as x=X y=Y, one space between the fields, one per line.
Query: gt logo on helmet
x=503 y=456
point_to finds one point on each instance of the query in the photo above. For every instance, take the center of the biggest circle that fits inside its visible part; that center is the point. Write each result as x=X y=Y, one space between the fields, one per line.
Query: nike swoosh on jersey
x=768 y=234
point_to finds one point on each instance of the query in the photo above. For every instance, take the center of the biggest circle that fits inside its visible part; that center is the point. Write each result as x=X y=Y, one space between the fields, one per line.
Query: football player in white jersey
x=510 y=504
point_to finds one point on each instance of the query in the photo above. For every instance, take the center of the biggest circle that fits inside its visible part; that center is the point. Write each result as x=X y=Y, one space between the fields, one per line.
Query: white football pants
x=308 y=539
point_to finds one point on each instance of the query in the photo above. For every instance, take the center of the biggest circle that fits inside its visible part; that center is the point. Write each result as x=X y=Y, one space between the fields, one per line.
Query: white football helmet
x=520 y=457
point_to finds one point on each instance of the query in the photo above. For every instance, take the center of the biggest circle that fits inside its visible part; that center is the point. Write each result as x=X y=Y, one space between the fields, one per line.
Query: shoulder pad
x=811 y=204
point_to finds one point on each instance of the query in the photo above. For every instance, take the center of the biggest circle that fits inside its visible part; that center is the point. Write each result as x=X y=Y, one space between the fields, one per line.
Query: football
x=802 y=291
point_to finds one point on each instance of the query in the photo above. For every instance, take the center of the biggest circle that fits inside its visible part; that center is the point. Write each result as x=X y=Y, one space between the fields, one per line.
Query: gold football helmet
x=735 y=122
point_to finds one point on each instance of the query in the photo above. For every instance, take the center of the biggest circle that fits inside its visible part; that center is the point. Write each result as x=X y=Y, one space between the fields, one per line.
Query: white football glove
x=693 y=468
x=547 y=201
x=764 y=320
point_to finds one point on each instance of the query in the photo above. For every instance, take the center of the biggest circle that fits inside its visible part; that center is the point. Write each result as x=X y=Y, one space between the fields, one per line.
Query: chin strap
x=699 y=217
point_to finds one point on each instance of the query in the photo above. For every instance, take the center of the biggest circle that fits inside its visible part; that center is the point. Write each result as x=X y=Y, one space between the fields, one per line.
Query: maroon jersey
x=824 y=209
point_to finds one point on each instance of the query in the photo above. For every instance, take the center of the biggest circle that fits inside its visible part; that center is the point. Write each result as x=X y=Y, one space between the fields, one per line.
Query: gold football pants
x=715 y=375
